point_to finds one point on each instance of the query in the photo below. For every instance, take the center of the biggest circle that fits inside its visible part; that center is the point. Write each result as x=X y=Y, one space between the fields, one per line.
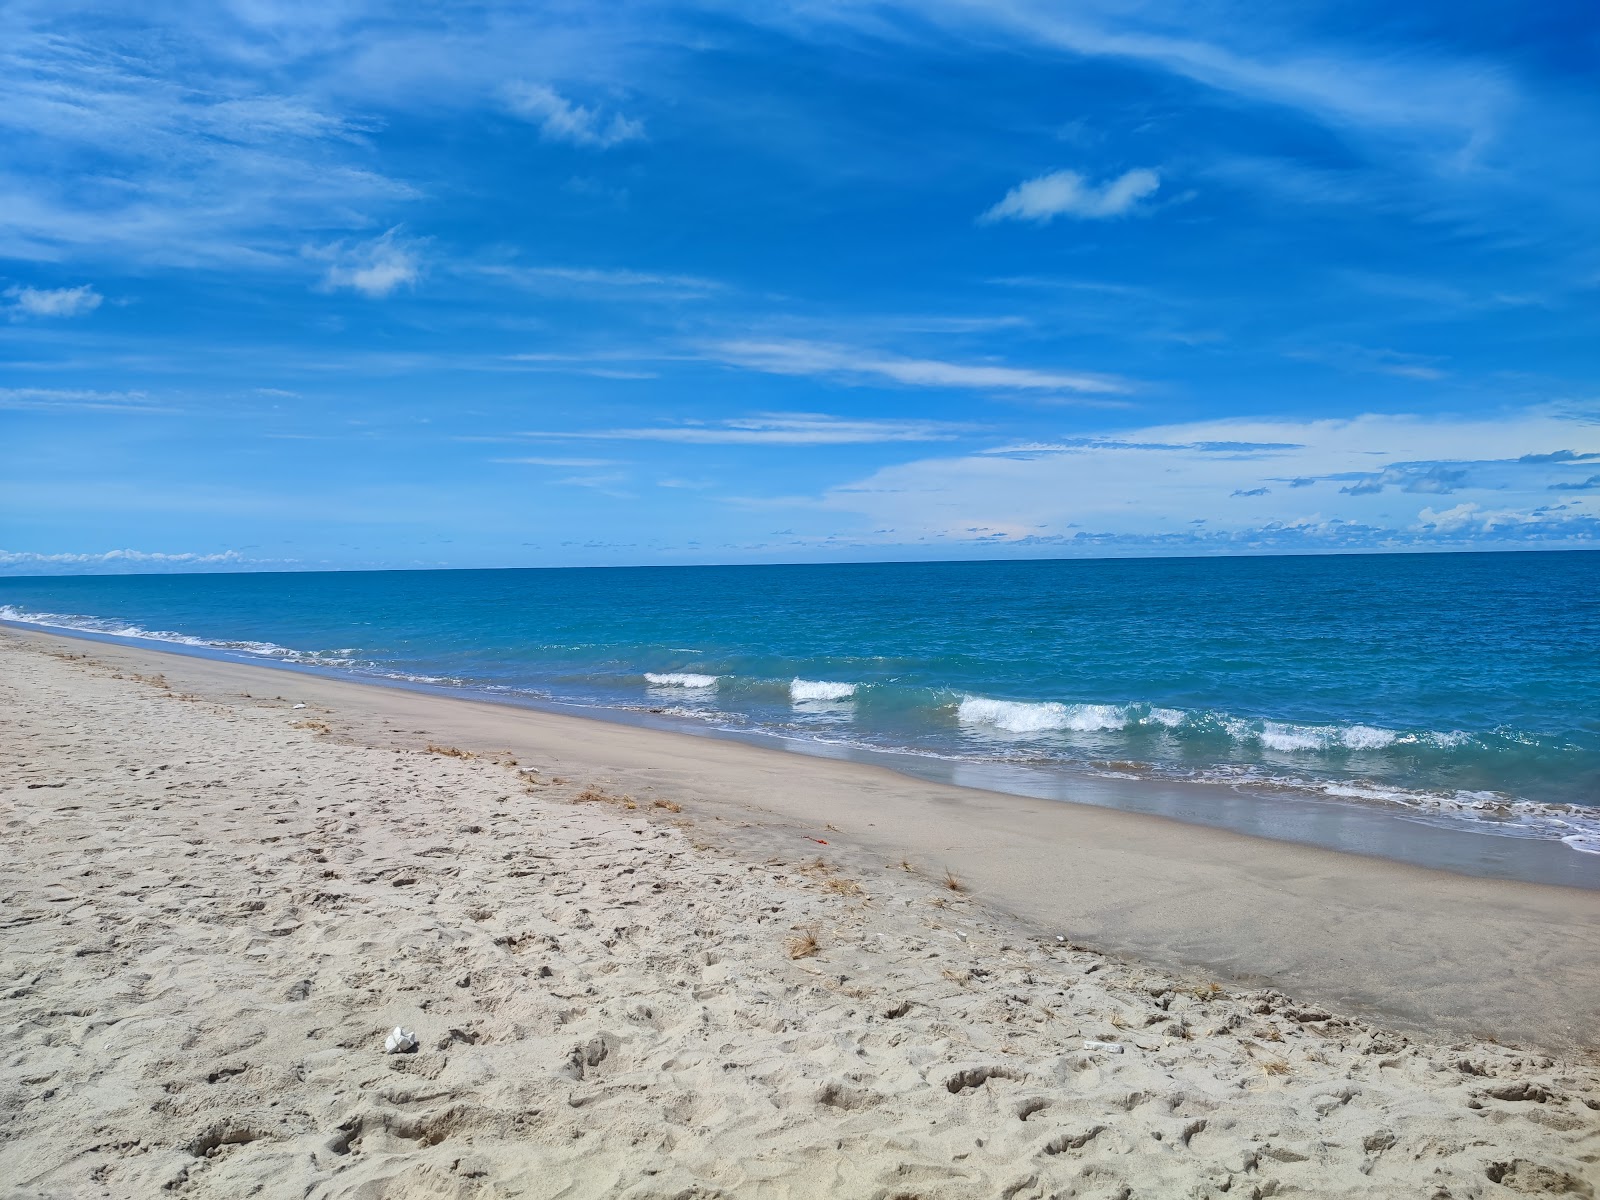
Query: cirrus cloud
x=560 y=120
x=799 y=357
x=778 y=429
x=53 y=302
x=1067 y=193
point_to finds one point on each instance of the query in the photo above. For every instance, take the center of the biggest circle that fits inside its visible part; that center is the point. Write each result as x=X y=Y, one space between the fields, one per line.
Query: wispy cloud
x=1142 y=487
x=1429 y=95
x=1427 y=478
x=14 y=559
x=778 y=429
x=793 y=357
x=1067 y=193
x=1378 y=361
x=560 y=120
x=77 y=400
x=169 y=145
x=567 y=463
x=1584 y=485
x=53 y=302
x=375 y=268
x=606 y=282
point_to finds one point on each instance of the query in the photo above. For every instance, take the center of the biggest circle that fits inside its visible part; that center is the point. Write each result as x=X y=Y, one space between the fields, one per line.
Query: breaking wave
x=1434 y=775
x=680 y=679
x=112 y=627
x=820 y=689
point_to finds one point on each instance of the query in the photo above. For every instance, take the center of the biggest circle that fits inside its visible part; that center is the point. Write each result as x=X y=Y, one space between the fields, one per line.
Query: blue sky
x=343 y=284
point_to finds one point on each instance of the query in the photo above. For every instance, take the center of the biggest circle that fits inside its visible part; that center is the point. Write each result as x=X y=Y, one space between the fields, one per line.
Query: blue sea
x=1452 y=691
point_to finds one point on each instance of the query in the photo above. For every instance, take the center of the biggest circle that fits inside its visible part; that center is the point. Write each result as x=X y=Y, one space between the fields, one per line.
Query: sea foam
x=681 y=679
x=1016 y=716
x=820 y=689
x=113 y=627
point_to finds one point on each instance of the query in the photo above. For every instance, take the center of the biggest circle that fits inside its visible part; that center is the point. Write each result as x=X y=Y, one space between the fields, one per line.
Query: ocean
x=1456 y=692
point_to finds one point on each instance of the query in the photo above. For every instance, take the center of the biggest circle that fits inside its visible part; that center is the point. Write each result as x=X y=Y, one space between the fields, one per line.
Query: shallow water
x=1459 y=691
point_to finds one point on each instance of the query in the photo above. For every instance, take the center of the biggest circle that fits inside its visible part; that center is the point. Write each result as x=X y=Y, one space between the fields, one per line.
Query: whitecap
x=1018 y=716
x=682 y=679
x=820 y=689
x=1170 y=717
x=1014 y=716
x=114 y=627
x=1367 y=737
x=1276 y=735
x=1091 y=718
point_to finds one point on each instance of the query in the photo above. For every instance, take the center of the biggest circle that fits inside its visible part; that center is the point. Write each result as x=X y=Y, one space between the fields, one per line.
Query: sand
x=629 y=978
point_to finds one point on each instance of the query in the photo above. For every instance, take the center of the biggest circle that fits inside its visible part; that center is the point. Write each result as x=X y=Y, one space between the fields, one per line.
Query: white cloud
x=172 y=143
x=1427 y=95
x=560 y=120
x=374 y=268
x=1379 y=361
x=111 y=558
x=604 y=281
x=76 y=400
x=1157 y=482
x=54 y=302
x=793 y=357
x=1066 y=193
x=779 y=429
x=569 y=463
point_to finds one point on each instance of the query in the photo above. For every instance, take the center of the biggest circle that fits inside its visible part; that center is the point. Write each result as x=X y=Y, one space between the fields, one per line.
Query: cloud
x=1374 y=361
x=54 y=302
x=1231 y=449
x=795 y=357
x=374 y=268
x=10 y=560
x=1409 y=477
x=173 y=142
x=560 y=120
x=1558 y=456
x=76 y=400
x=604 y=281
x=1066 y=193
x=571 y=463
x=779 y=429
x=1588 y=484
x=1144 y=489
x=1426 y=95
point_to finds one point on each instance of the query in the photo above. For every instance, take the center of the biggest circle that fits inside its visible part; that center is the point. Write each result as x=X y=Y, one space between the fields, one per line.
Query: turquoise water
x=1456 y=688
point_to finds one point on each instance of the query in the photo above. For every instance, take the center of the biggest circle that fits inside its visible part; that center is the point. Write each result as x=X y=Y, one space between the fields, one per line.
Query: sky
x=294 y=285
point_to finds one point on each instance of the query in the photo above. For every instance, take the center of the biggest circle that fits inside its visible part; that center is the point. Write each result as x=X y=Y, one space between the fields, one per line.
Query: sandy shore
x=641 y=964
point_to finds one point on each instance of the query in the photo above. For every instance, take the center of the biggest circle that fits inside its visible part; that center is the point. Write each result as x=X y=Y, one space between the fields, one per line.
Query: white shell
x=400 y=1041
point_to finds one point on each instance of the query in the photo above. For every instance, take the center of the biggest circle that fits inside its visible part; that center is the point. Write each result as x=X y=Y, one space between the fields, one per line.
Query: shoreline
x=1423 y=949
x=1430 y=840
x=642 y=965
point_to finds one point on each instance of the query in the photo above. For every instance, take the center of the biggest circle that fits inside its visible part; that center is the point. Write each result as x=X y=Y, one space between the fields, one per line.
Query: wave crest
x=112 y=627
x=1016 y=716
x=681 y=679
x=820 y=689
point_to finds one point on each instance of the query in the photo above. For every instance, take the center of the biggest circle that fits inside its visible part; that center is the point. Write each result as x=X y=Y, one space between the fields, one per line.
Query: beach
x=639 y=964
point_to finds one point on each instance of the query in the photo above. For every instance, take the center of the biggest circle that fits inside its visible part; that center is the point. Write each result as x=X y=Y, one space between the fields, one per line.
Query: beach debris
x=298 y=706
x=1108 y=1047
x=400 y=1041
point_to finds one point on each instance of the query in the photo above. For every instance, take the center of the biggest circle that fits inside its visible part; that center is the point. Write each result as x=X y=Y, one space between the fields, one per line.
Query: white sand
x=214 y=910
